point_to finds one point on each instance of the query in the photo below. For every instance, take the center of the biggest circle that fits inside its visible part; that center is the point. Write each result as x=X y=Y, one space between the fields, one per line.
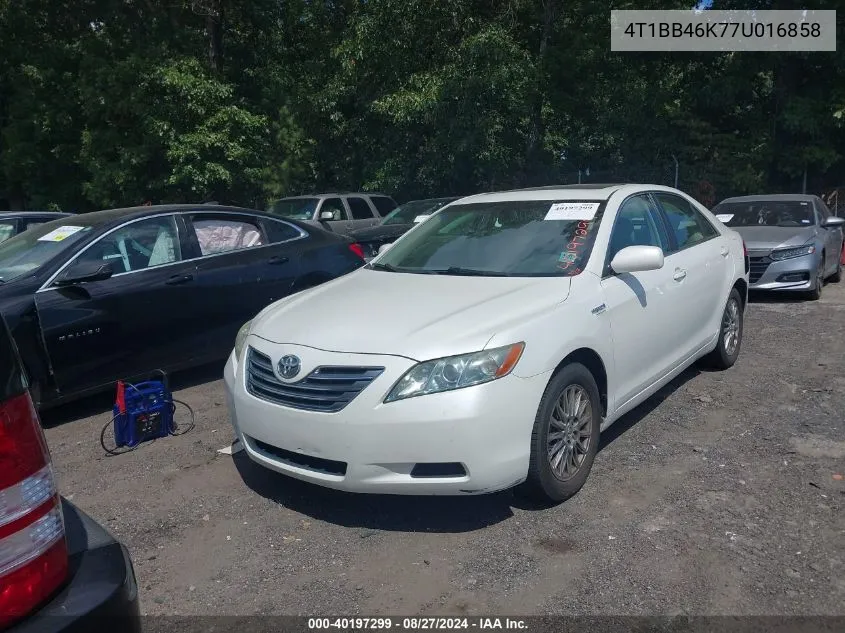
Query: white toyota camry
x=491 y=344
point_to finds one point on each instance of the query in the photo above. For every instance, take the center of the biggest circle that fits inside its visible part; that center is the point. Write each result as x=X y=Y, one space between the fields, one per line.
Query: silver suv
x=338 y=212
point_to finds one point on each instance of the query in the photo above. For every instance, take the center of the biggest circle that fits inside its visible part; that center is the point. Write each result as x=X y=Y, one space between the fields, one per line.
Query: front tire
x=816 y=293
x=565 y=438
x=730 y=334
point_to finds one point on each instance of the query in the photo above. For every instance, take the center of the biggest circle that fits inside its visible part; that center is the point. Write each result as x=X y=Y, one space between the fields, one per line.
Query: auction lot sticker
x=572 y=211
x=63 y=232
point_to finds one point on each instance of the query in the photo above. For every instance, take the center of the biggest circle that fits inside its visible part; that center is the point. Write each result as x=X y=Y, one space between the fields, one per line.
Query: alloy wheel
x=730 y=327
x=570 y=432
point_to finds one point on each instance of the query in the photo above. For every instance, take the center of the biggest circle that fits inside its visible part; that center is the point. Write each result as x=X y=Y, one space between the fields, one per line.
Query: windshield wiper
x=380 y=266
x=467 y=272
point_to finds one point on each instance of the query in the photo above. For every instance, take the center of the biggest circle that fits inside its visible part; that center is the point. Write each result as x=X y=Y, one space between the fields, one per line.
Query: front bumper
x=101 y=593
x=797 y=273
x=486 y=429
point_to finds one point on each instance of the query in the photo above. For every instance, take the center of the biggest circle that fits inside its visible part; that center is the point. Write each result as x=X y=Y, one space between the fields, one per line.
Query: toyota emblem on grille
x=289 y=366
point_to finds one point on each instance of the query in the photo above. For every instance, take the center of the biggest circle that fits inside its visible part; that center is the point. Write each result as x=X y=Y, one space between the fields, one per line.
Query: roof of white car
x=589 y=191
x=773 y=197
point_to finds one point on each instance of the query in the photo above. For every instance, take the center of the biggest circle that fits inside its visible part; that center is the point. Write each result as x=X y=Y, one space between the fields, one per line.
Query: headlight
x=789 y=253
x=240 y=339
x=455 y=372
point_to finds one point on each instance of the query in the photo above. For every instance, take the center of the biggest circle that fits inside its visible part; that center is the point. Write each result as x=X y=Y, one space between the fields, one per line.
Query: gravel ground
x=720 y=495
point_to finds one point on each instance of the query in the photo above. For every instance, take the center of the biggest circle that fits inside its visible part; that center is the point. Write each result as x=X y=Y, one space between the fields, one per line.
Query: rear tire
x=570 y=411
x=730 y=334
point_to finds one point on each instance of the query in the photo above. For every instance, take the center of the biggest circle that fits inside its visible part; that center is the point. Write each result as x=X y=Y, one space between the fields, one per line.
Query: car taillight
x=356 y=248
x=33 y=549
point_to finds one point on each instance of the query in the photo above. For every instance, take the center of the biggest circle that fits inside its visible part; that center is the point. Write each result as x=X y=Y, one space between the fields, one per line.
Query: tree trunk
x=537 y=128
x=214 y=31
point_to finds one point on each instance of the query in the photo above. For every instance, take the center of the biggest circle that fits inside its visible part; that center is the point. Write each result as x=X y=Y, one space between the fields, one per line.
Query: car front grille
x=759 y=265
x=327 y=389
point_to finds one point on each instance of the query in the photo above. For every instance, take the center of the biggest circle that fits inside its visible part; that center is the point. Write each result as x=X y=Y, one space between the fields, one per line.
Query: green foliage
x=107 y=104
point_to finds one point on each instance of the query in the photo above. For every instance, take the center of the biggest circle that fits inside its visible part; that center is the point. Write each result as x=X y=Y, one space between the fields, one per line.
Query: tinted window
x=142 y=244
x=7 y=229
x=360 y=209
x=687 y=223
x=32 y=223
x=296 y=208
x=529 y=238
x=636 y=224
x=775 y=212
x=335 y=207
x=384 y=204
x=280 y=231
x=221 y=235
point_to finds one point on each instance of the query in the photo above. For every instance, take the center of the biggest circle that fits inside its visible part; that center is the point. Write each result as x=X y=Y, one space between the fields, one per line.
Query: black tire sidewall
x=729 y=360
x=540 y=472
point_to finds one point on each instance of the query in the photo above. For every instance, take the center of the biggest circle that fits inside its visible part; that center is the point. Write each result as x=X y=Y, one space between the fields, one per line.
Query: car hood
x=381 y=232
x=765 y=238
x=411 y=315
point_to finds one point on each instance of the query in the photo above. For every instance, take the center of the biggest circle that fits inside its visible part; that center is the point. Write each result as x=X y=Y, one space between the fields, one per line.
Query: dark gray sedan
x=793 y=241
x=14 y=222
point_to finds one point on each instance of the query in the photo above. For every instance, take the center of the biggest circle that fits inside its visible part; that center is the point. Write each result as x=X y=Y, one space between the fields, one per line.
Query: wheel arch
x=595 y=365
x=742 y=287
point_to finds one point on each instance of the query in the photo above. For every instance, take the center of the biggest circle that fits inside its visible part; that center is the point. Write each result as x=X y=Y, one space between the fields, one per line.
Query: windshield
x=295 y=208
x=765 y=213
x=410 y=211
x=31 y=249
x=526 y=238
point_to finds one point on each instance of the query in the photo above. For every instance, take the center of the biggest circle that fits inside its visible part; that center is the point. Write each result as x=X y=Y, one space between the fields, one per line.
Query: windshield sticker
x=421 y=218
x=572 y=211
x=805 y=221
x=63 y=232
x=724 y=217
x=575 y=247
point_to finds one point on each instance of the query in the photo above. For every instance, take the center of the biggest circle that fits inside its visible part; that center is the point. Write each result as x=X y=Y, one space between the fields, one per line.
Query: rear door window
x=360 y=209
x=223 y=234
x=384 y=204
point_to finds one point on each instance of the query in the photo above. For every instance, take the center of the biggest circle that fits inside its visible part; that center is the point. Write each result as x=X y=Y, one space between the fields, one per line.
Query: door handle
x=175 y=280
x=679 y=274
x=278 y=259
x=724 y=252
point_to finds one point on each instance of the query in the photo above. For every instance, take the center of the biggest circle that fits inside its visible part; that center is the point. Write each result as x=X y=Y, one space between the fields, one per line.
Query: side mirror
x=384 y=247
x=326 y=215
x=833 y=222
x=85 y=271
x=632 y=259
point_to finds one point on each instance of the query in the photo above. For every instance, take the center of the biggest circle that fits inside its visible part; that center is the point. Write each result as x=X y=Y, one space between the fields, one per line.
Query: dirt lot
x=718 y=496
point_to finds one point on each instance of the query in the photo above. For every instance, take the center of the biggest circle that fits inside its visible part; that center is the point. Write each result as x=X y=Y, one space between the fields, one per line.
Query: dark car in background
x=337 y=212
x=60 y=571
x=794 y=242
x=14 y=222
x=396 y=223
x=117 y=294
